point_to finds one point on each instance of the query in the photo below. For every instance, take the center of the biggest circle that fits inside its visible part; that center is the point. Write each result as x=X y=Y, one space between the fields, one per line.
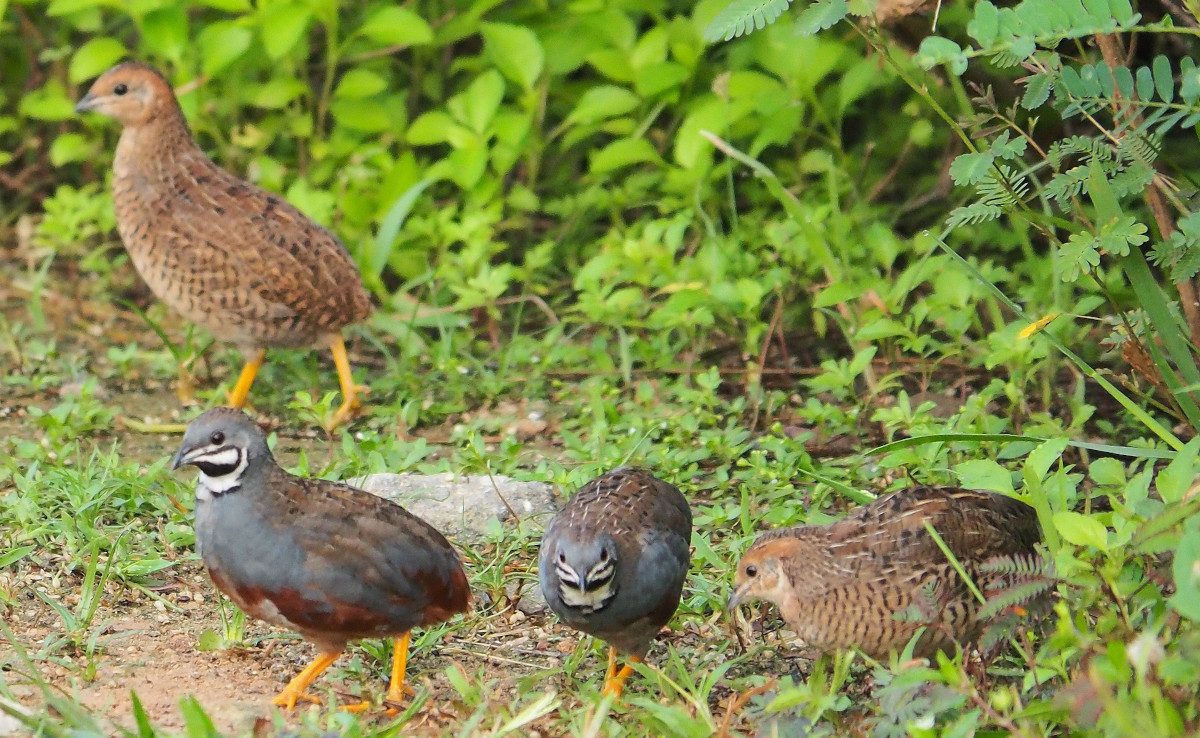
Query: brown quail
x=228 y=256
x=328 y=560
x=843 y=584
x=613 y=562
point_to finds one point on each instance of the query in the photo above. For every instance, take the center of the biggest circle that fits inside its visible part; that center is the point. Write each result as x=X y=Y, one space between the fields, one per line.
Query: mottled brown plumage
x=841 y=585
x=227 y=255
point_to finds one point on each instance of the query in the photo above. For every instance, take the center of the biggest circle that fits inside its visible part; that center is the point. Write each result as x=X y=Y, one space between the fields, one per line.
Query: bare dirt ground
x=153 y=650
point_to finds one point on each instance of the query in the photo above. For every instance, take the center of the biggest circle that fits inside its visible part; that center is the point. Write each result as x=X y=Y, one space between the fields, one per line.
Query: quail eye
x=604 y=554
x=562 y=557
x=217 y=438
x=120 y=89
x=752 y=571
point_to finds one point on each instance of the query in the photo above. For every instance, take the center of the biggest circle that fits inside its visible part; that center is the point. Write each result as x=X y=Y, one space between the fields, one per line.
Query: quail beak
x=86 y=103
x=737 y=597
x=182 y=458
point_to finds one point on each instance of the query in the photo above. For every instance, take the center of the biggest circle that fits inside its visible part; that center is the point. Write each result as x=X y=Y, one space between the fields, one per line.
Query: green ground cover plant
x=789 y=256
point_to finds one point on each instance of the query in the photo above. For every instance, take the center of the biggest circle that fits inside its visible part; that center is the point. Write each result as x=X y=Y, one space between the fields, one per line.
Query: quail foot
x=613 y=562
x=859 y=581
x=325 y=559
x=237 y=260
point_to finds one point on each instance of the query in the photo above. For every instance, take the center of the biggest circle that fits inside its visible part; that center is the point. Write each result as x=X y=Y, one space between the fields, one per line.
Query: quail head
x=859 y=581
x=227 y=255
x=613 y=562
x=325 y=559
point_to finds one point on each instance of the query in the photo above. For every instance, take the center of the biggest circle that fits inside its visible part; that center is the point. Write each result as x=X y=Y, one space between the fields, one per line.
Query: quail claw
x=288 y=698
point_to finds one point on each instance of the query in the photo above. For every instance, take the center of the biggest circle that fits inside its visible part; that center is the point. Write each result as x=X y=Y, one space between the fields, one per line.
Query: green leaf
x=281 y=27
x=1164 y=82
x=1081 y=530
x=1177 y=478
x=936 y=50
x=221 y=44
x=837 y=293
x=1039 y=461
x=614 y=64
x=390 y=227
x=362 y=115
x=985 y=26
x=622 y=153
x=165 y=32
x=395 y=26
x=49 y=102
x=15 y=555
x=1037 y=90
x=604 y=101
x=197 y=722
x=94 y=58
x=467 y=164
x=1186 y=569
x=277 y=92
x=984 y=474
x=482 y=99
x=359 y=83
x=431 y=128
x=229 y=6
x=968 y=169
x=1107 y=472
x=742 y=17
x=516 y=52
x=820 y=15
x=70 y=147
x=655 y=79
x=881 y=328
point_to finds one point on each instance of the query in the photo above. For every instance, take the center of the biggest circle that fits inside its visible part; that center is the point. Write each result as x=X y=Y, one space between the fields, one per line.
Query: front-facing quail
x=613 y=562
x=227 y=255
x=871 y=579
x=328 y=560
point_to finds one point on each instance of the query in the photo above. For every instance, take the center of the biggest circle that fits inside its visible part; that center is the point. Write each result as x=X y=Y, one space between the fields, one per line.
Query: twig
x=737 y=702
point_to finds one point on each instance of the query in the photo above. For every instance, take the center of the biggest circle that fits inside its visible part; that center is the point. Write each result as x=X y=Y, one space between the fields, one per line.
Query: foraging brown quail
x=228 y=256
x=613 y=561
x=328 y=560
x=843 y=584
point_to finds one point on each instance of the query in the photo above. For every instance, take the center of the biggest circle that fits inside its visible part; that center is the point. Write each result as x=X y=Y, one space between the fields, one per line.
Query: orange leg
x=237 y=398
x=612 y=665
x=297 y=689
x=350 y=390
x=396 y=687
x=615 y=684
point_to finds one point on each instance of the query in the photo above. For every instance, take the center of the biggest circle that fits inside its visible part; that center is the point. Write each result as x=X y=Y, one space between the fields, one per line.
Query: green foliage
x=720 y=262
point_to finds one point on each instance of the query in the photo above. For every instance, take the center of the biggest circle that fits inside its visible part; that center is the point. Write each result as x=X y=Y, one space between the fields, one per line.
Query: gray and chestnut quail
x=239 y=261
x=613 y=562
x=328 y=560
x=844 y=584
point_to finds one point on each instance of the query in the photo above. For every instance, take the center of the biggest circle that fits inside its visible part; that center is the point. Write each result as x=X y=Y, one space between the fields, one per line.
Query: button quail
x=842 y=584
x=228 y=256
x=328 y=560
x=613 y=561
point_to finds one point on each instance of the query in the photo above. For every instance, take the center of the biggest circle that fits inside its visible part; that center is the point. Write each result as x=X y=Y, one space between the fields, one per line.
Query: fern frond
x=973 y=214
x=1065 y=186
x=1016 y=596
x=1016 y=581
x=1093 y=147
x=742 y=17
